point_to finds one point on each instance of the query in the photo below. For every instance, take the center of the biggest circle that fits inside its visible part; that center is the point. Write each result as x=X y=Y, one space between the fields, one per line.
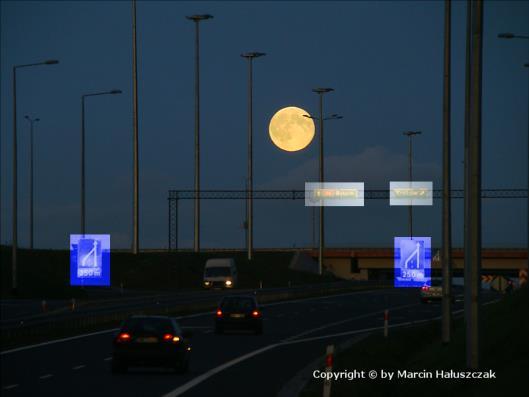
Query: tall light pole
x=516 y=36
x=249 y=216
x=446 y=252
x=32 y=122
x=83 y=199
x=466 y=176
x=321 y=92
x=410 y=135
x=473 y=253
x=135 y=145
x=14 y=280
x=196 y=19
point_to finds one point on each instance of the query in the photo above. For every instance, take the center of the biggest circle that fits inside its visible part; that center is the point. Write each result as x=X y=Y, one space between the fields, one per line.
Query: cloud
x=375 y=166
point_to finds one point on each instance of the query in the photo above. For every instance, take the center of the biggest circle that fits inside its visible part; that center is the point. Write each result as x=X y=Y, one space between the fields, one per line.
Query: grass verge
x=44 y=274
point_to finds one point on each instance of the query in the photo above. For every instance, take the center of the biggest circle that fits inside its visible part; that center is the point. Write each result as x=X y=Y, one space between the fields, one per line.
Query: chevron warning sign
x=487 y=279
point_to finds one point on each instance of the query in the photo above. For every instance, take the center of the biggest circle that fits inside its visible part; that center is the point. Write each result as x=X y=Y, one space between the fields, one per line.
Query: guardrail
x=16 y=332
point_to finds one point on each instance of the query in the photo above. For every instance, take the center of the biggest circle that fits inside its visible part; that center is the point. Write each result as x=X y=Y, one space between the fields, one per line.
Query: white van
x=220 y=273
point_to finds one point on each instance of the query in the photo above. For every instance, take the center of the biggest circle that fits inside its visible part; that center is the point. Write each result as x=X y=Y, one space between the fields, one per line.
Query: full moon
x=289 y=130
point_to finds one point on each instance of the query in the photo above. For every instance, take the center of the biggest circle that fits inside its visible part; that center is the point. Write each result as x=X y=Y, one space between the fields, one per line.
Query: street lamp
x=15 y=165
x=446 y=251
x=515 y=36
x=31 y=170
x=321 y=119
x=196 y=19
x=135 y=144
x=511 y=36
x=111 y=92
x=410 y=134
x=249 y=208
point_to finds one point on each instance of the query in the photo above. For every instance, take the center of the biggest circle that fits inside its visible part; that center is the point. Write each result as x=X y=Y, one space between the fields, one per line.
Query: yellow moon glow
x=289 y=130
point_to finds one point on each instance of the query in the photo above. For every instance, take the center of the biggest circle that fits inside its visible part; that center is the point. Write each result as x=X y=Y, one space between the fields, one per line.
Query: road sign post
x=329 y=359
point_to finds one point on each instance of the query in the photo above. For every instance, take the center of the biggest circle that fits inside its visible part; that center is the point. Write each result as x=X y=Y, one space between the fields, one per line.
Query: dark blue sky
x=384 y=60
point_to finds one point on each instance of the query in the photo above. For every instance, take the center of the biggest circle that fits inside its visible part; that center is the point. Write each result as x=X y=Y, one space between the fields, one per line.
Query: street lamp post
x=249 y=191
x=14 y=281
x=446 y=252
x=83 y=200
x=196 y=19
x=516 y=36
x=135 y=144
x=473 y=252
x=410 y=134
x=321 y=119
x=31 y=170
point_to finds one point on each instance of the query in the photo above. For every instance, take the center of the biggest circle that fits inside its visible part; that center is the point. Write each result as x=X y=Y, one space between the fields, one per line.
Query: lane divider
x=206 y=313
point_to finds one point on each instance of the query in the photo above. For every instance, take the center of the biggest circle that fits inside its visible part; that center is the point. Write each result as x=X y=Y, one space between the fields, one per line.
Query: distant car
x=433 y=292
x=238 y=312
x=151 y=341
x=220 y=273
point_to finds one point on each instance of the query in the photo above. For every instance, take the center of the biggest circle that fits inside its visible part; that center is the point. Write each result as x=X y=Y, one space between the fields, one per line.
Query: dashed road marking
x=78 y=367
x=201 y=314
x=9 y=387
x=47 y=376
x=107 y=359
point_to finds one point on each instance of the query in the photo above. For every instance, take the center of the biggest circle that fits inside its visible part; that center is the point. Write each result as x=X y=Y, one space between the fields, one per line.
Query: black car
x=151 y=341
x=238 y=312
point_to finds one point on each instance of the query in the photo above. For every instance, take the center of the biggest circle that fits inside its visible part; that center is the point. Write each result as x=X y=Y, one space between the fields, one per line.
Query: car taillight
x=219 y=313
x=425 y=288
x=256 y=313
x=171 y=338
x=123 y=337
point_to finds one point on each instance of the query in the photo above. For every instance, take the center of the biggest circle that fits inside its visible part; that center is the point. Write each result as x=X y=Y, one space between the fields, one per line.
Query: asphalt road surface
x=295 y=333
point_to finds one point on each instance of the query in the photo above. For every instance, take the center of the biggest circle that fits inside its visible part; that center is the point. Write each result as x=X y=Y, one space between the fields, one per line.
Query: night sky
x=384 y=59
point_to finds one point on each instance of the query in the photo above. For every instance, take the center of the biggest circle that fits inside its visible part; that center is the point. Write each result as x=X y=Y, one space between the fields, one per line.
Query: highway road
x=29 y=312
x=295 y=333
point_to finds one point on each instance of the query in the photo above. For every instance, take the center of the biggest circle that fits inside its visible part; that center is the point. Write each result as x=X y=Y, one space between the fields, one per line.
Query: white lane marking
x=209 y=331
x=78 y=367
x=358 y=331
x=195 y=327
x=51 y=342
x=207 y=313
x=9 y=387
x=325 y=297
x=107 y=359
x=47 y=376
x=199 y=379
x=414 y=322
x=311 y=331
x=194 y=315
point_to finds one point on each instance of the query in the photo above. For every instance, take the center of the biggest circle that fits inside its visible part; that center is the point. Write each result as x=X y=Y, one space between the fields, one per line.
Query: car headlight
x=207 y=283
x=228 y=282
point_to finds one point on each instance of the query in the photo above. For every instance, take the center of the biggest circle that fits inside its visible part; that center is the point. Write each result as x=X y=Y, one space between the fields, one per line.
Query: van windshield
x=217 y=272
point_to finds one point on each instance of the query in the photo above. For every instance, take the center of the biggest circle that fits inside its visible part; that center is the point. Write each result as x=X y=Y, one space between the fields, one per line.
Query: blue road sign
x=413 y=261
x=90 y=259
